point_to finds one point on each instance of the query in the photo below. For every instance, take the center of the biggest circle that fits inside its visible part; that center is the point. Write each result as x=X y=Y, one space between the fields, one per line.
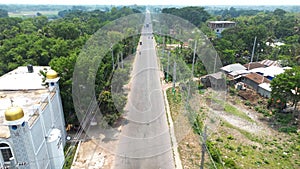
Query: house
x=216 y=81
x=219 y=26
x=253 y=80
x=264 y=90
x=269 y=72
x=32 y=125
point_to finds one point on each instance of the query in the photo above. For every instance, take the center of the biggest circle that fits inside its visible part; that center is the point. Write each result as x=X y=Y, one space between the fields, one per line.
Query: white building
x=220 y=26
x=32 y=127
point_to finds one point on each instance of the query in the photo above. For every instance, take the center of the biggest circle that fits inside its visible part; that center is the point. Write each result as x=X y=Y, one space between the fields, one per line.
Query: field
x=25 y=14
x=238 y=136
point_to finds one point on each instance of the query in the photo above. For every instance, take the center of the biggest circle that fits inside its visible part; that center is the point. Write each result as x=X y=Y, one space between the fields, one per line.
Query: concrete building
x=32 y=125
x=220 y=26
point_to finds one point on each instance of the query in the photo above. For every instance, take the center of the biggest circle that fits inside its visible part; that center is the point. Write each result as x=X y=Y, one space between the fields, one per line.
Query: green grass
x=248 y=135
x=71 y=150
x=234 y=111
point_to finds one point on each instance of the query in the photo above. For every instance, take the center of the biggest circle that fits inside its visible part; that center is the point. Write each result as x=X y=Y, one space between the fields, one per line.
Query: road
x=145 y=141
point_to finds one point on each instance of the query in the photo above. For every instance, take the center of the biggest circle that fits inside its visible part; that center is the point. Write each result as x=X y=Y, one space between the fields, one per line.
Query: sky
x=155 y=2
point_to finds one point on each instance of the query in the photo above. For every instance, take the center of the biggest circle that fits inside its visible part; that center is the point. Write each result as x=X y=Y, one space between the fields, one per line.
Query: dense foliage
x=40 y=41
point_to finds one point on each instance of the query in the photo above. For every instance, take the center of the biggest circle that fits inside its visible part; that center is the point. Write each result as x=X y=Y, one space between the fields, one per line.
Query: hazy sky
x=155 y=2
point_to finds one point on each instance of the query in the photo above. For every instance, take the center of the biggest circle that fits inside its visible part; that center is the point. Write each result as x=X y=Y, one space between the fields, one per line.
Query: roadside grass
x=268 y=152
x=69 y=151
x=232 y=147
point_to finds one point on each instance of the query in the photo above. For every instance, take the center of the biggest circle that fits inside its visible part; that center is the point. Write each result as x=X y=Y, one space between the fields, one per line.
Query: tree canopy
x=286 y=87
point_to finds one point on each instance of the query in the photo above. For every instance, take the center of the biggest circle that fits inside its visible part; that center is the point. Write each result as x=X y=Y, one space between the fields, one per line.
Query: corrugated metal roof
x=233 y=67
x=257 y=78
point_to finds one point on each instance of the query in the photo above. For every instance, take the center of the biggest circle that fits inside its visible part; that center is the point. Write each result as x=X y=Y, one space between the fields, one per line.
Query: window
x=5 y=151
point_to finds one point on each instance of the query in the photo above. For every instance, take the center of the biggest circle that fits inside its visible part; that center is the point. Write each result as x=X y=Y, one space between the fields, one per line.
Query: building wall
x=264 y=92
x=251 y=83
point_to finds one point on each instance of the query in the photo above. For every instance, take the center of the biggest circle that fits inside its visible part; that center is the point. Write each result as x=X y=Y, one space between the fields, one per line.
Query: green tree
x=286 y=87
x=3 y=13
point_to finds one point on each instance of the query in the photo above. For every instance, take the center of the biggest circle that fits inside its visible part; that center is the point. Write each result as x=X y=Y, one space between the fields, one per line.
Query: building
x=220 y=26
x=264 y=89
x=253 y=65
x=253 y=80
x=232 y=68
x=32 y=125
x=216 y=81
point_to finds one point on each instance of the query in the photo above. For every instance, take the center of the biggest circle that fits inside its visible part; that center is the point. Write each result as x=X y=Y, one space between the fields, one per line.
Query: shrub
x=247 y=103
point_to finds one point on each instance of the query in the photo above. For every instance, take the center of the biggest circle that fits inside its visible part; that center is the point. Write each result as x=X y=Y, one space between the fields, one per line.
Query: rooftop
x=266 y=86
x=233 y=67
x=23 y=89
x=257 y=78
x=254 y=65
x=270 y=63
x=271 y=71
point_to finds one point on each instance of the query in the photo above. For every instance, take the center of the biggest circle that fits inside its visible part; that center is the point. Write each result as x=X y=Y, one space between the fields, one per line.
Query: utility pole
x=168 y=66
x=194 y=55
x=122 y=62
x=174 y=77
x=112 y=57
x=118 y=59
x=203 y=148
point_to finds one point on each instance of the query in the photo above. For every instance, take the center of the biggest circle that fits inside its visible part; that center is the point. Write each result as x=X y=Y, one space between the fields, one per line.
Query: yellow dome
x=51 y=74
x=14 y=113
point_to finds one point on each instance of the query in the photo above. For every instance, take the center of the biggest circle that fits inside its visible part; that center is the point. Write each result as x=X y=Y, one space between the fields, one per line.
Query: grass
x=25 y=13
x=71 y=150
x=234 y=111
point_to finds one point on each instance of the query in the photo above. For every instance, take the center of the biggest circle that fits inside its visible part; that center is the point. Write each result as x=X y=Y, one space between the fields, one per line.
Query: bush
x=247 y=103
x=230 y=137
x=288 y=129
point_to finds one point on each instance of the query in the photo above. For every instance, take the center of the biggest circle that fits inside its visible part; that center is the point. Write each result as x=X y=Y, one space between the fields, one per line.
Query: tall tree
x=286 y=87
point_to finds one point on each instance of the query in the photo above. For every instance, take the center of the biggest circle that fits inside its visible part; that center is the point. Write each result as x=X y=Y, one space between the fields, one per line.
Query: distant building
x=32 y=125
x=219 y=26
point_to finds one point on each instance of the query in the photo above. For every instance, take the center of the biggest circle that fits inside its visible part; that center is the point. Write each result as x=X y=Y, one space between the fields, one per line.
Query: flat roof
x=23 y=89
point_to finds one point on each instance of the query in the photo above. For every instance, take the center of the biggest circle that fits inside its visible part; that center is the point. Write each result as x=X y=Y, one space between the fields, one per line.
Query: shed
x=264 y=90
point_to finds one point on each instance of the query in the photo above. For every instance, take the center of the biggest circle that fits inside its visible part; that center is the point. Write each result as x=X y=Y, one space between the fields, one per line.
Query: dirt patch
x=92 y=156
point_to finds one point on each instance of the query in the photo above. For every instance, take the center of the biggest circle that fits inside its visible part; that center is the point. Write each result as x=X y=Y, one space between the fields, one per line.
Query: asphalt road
x=144 y=142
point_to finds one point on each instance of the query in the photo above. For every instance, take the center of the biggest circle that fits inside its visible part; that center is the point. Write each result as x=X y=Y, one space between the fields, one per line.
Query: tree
x=3 y=13
x=286 y=87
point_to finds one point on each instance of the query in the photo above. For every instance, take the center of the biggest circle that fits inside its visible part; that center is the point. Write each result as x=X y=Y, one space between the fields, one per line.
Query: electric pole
x=203 y=148
x=112 y=57
x=174 y=77
x=168 y=66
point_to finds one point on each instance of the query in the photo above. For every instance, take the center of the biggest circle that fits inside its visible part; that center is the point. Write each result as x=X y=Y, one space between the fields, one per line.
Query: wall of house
x=264 y=92
x=251 y=84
